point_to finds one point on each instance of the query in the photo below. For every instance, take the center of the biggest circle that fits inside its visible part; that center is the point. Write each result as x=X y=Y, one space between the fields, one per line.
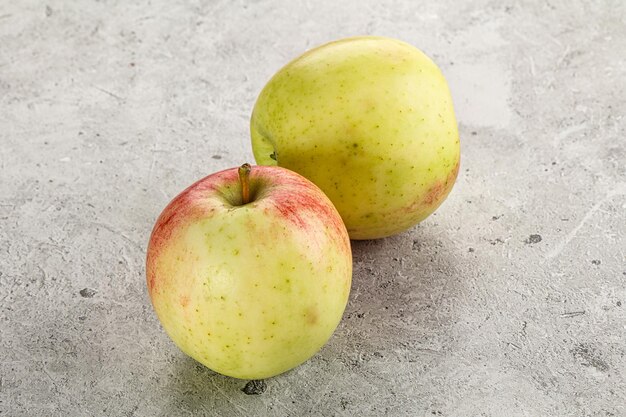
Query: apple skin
x=370 y=121
x=252 y=290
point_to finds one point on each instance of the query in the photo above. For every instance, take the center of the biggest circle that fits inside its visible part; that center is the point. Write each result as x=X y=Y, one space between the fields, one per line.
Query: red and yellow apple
x=249 y=270
x=370 y=121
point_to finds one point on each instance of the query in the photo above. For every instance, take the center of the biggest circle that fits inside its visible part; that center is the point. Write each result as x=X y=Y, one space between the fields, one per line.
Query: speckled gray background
x=511 y=300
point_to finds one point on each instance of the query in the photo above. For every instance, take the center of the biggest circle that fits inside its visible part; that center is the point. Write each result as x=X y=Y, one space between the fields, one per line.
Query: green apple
x=370 y=121
x=249 y=271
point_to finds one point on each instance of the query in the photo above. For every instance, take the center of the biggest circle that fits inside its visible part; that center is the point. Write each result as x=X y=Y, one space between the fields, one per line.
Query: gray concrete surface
x=510 y=301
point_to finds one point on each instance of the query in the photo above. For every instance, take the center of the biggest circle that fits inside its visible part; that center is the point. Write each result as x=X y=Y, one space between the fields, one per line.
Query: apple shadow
x=404 y=293
x=196 y=390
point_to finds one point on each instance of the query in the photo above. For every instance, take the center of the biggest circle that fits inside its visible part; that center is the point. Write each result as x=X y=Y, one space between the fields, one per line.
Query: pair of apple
x=249 y=269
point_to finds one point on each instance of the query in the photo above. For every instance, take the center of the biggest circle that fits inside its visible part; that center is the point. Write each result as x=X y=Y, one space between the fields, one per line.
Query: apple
x=249 y=270
x=370 y=121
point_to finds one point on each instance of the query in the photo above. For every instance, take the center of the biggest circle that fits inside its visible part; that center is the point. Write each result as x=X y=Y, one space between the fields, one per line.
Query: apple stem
x=244 y=180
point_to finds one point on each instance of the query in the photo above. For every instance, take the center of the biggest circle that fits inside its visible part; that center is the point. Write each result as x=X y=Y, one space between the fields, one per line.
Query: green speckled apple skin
x=370 y=121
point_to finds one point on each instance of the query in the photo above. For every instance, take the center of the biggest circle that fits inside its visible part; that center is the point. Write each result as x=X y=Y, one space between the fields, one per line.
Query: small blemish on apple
x=184 y=300
x=311 y=315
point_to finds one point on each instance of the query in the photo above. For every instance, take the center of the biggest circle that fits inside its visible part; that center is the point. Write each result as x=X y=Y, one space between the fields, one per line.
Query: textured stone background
x=511 y=300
